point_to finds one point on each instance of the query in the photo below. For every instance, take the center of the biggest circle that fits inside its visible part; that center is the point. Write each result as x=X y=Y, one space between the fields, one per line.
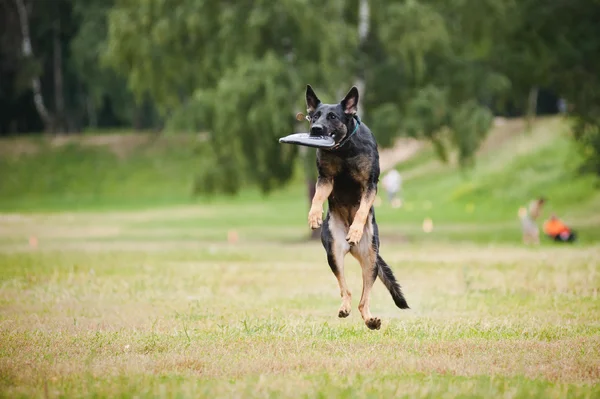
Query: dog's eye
x=331 y=116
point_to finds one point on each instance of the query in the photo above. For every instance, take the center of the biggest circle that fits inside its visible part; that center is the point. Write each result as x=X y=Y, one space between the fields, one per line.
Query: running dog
x=348 y=174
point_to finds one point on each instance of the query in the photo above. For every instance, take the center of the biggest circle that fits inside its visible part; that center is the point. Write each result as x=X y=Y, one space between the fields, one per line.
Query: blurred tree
x=433 y=69
x=556 y=45
x=101 y=84
x=46 y=29
x=50 y=75
x=364 y=26
x=237 y=70
x=24 y=13
x=430 y=71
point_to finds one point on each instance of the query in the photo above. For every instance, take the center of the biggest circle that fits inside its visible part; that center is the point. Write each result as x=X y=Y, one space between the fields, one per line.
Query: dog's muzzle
x=317 y=130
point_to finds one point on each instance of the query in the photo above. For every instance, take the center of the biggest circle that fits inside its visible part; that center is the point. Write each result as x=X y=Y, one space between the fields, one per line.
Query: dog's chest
x=357 y=167
x=330 y=165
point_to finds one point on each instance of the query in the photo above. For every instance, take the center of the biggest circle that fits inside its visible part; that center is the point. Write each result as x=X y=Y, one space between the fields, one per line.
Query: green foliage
x=410 y=31
x=437 y=54
x=242 y=112
x=470 y=124
x=557 y=44
x=163 y=171
x=437 y=70
x=251 y=91
x=88 y=44
x=237 y=71
x=427 y=113
x=134 y=171
x=587 y=133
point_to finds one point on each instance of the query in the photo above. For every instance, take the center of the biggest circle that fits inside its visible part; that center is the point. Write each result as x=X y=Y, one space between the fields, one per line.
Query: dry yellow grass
x=95 y=312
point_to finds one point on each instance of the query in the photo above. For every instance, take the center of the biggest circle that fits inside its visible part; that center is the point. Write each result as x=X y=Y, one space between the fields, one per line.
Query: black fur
x=327 y=242
x=353 y=167
x=387 y=277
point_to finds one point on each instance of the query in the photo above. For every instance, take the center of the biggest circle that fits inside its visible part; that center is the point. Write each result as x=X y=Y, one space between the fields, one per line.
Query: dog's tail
x=387 y=277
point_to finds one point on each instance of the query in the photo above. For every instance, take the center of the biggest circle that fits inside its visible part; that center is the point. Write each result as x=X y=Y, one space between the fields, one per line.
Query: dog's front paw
x=315 y=218
x=354 y=234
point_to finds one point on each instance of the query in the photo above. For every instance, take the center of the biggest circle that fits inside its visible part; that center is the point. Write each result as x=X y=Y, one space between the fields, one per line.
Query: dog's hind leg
x=333 y=238
x=366 y=254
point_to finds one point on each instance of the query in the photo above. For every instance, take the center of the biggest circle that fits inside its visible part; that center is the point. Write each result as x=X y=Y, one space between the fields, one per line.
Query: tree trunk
x=138 y=121
x=363 y=33
x=36 y=87
x=91 y=111
x=59 y=97
x=531 y=107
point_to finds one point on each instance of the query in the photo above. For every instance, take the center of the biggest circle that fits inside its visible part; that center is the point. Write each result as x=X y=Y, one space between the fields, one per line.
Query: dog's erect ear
x=350 y=102
x=312 y=101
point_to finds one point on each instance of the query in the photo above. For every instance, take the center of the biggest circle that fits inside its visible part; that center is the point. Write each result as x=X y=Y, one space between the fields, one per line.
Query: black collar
x=345 y=139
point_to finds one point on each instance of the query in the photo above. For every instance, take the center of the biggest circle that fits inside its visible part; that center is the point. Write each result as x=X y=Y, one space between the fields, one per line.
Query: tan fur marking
x=366 y=256
x=345 y=215
x=330 y=165
x=322 y=192
x=358 y=224
x=340 y=249
x=362 y=169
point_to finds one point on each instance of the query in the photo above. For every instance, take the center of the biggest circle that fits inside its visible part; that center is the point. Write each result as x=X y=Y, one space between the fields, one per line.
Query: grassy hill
x=115 y=282
x=133 y=171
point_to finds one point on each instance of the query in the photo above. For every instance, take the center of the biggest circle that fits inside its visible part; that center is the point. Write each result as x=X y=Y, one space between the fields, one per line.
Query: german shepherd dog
x=348 y=174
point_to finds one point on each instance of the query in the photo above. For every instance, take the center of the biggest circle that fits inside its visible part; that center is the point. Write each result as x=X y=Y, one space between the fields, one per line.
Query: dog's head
x=334 y=120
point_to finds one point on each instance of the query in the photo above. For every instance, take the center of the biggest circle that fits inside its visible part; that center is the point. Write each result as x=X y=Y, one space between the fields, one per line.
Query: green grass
x=133 y=289
x=74 y=175
x=91 y=312
x=128 y=172
x=506 y=176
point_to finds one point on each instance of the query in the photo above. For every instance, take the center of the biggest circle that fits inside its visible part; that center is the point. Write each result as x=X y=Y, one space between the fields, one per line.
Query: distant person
x=535 y=208
x=392 y=183
x=562 y=106
x=531 y=234
x=558 y=231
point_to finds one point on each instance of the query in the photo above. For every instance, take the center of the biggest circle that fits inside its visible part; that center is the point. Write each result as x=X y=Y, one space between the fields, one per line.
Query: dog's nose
x=316 y=130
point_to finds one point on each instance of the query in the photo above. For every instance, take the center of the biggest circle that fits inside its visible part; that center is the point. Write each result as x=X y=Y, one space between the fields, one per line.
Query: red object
x=555 y=227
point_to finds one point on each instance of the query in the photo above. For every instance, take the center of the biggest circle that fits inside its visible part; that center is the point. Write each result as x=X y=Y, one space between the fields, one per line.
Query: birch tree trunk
x=531 y=107
x=59 y=97
x=363 y=33
x=38 y=98
x=91 y=111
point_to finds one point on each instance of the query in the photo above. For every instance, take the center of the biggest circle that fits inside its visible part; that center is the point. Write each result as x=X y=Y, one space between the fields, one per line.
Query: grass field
x=115 y=282
x=106 y=307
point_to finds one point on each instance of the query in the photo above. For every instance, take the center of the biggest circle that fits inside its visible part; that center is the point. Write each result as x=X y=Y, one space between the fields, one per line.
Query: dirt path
x=403 y=150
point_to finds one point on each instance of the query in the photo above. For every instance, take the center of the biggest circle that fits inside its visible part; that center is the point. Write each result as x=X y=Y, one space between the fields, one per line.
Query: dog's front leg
x=322 y=192
x=360 y=218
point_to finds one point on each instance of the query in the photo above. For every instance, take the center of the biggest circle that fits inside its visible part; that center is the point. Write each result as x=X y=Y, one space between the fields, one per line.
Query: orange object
x=428 y=225
x=232 y=236
x=554 y=227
